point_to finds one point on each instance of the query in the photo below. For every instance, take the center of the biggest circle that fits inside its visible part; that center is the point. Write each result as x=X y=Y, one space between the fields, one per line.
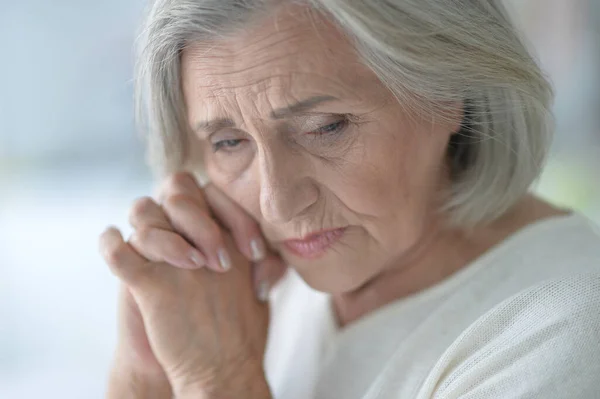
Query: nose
x=287 y=190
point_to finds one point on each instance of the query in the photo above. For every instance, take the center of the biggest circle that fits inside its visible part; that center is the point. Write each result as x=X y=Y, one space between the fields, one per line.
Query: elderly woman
x=366 y=230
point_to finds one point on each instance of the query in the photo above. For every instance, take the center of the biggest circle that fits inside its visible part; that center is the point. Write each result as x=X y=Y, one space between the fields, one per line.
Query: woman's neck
x=439 y=255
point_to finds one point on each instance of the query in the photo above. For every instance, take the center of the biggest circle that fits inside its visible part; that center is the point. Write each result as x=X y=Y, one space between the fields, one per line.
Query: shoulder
x=543 y=342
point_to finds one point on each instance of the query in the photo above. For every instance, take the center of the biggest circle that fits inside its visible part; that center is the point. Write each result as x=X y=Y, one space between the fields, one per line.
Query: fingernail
x=258 y=249
x=224 y=259
x=263 y=291
x=197 y=258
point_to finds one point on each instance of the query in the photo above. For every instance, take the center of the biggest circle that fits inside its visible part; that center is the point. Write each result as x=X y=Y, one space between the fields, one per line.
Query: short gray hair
x=437 y=51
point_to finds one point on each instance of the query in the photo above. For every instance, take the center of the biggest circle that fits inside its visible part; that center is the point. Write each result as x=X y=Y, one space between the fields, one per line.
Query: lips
x=314 y=245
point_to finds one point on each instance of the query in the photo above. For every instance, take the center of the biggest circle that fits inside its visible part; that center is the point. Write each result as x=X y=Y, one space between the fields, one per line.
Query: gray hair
x=437 y=51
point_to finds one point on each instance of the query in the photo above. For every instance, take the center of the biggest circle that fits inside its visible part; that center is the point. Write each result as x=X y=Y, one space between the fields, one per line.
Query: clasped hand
x=195 y=277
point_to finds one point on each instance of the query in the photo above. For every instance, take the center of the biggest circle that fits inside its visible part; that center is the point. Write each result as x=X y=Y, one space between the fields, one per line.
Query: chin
x=335 y=273
x=339 y=266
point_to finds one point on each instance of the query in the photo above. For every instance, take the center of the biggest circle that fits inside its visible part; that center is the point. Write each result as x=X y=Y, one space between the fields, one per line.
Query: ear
x=451 y=116
x=443 y=119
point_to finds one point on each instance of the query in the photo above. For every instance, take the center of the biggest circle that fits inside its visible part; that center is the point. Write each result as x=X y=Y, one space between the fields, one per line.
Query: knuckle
x=177 y=180
x=117 y=255
x=213 y=233
x=141 y=207
x=177 y=201
x=142 y=235
x=106 y=235
x=175 y=244
x=247 y=227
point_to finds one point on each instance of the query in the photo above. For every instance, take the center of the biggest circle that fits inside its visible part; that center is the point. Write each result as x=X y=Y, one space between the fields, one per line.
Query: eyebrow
x=214 y=124
x=301 y=106
x=279 y=113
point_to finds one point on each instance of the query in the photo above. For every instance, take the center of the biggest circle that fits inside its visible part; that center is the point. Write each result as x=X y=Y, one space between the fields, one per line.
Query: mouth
x=314 y=245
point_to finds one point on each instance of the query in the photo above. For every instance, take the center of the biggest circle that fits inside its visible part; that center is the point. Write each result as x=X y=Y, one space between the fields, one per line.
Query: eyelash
x=338 y=127
x=330 y=129
x=231 y=143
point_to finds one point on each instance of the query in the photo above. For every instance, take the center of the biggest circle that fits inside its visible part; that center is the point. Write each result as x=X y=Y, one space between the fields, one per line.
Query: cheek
x=391 y=187
x=244 y=189
x=374 y=180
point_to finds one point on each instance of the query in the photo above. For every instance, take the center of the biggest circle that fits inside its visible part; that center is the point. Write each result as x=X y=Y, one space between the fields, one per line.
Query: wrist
x=249 y=383
x=127 y=380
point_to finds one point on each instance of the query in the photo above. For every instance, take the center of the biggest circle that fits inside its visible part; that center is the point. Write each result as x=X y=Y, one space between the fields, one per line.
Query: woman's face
x=343 y=180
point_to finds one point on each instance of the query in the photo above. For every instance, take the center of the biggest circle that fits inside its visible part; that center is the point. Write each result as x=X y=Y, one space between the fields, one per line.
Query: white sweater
x=522 y=321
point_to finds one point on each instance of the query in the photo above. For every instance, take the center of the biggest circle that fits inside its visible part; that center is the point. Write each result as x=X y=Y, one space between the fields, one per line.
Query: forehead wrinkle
x=221 y=77
x=203 y=69
x=282 y=82
x=253 y=87
x=341 y=76
x=284 y=87
x=234 y=105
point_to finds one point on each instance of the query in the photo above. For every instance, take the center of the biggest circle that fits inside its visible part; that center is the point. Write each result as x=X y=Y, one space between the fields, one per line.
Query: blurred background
x=70 y=164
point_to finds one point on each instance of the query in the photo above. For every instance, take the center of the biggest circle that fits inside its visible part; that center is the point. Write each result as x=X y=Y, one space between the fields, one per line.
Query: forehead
x=292 y=53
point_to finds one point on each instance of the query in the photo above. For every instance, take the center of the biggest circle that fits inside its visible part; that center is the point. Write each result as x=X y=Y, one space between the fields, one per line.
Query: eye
x=330 y=128
x=227 y=145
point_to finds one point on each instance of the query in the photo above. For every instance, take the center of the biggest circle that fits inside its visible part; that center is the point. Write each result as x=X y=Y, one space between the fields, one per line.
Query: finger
x=198 y=227
x=156 y=239
x=159 y=245
x=266 y=274
x=122 y=259
x=182 y=183
x=146 y=212
x=243 y=227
